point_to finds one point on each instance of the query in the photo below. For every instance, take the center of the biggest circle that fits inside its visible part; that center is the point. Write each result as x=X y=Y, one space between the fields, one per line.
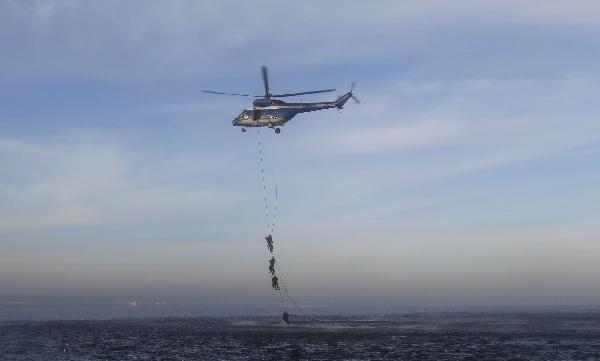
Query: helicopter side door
x=257 y=114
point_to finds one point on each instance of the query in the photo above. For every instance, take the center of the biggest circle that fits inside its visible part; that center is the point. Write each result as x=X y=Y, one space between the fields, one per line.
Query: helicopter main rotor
x=265 y=77
x=268 y=94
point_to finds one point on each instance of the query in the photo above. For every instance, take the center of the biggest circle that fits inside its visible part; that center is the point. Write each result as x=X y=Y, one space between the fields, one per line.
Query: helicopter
x=274 y=113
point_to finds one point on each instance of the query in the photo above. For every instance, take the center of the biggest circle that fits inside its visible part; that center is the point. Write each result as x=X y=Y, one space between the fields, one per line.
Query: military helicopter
x=274 y=113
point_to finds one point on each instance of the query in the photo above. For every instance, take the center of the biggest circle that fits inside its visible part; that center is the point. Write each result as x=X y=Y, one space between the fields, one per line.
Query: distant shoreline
x=26 y=311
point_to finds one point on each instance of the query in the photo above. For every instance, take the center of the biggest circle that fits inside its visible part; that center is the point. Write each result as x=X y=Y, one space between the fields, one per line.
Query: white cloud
x=493 y=105
x=90 y=180
x=418 y=134
x=131 y=42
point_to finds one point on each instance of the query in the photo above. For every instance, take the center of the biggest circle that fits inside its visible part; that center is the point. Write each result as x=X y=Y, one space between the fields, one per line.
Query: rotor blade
x=352 y=86
x=265 y=80
x=355 y=99
x=302 y=93
x=214 y=92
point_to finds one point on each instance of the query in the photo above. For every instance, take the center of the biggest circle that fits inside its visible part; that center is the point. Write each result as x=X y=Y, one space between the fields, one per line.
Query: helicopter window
x=246 y=114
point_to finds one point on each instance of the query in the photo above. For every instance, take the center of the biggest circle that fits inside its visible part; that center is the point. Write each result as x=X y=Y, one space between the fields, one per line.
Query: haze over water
x=467 y=176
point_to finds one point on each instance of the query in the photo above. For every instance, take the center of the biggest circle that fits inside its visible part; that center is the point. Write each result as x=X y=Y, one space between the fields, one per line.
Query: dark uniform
x=272 y=266
x=286 y=317
x=275 y=282
x=269 y=243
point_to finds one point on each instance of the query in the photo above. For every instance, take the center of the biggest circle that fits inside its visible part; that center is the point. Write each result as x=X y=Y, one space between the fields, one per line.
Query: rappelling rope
x=292 y=300
x=262 y=175
x=276 y=183
x=271 y=229
x=282 y=299
x=270 y=226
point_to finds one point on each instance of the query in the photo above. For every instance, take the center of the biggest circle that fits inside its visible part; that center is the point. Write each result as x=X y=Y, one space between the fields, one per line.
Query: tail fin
x=340 y=101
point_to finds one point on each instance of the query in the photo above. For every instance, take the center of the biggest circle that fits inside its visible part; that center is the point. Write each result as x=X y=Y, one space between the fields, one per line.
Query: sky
x=468 y=174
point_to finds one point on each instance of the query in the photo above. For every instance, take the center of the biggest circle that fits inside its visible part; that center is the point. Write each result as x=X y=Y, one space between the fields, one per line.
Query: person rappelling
x=286 y=317
x=269 y=243
x=275 y=282
x=272 y=266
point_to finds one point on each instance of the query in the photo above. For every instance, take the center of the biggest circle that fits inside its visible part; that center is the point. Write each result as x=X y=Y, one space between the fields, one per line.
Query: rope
x=262 y=175
x=292 y=300
x=276 y=188
x=282 y=301
x=271 y=225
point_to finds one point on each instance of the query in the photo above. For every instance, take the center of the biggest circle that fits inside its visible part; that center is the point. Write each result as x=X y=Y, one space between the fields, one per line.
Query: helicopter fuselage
x=278 y=112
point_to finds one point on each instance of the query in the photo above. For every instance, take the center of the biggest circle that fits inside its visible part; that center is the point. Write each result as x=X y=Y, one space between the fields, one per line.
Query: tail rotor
x=351 y=93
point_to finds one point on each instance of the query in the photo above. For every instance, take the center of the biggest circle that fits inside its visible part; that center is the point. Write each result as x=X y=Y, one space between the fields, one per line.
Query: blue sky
x=468 y=174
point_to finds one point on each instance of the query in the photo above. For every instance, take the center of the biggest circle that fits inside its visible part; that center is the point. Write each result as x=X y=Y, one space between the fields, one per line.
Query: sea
x=419 y=336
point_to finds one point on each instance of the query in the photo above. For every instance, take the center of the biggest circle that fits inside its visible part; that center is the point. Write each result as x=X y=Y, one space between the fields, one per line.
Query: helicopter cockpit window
x=246 y=114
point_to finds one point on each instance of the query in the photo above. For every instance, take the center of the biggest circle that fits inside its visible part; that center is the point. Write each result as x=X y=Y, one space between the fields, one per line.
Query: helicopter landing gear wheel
x=270 y=125
x=277 y=130
x=243 y=130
